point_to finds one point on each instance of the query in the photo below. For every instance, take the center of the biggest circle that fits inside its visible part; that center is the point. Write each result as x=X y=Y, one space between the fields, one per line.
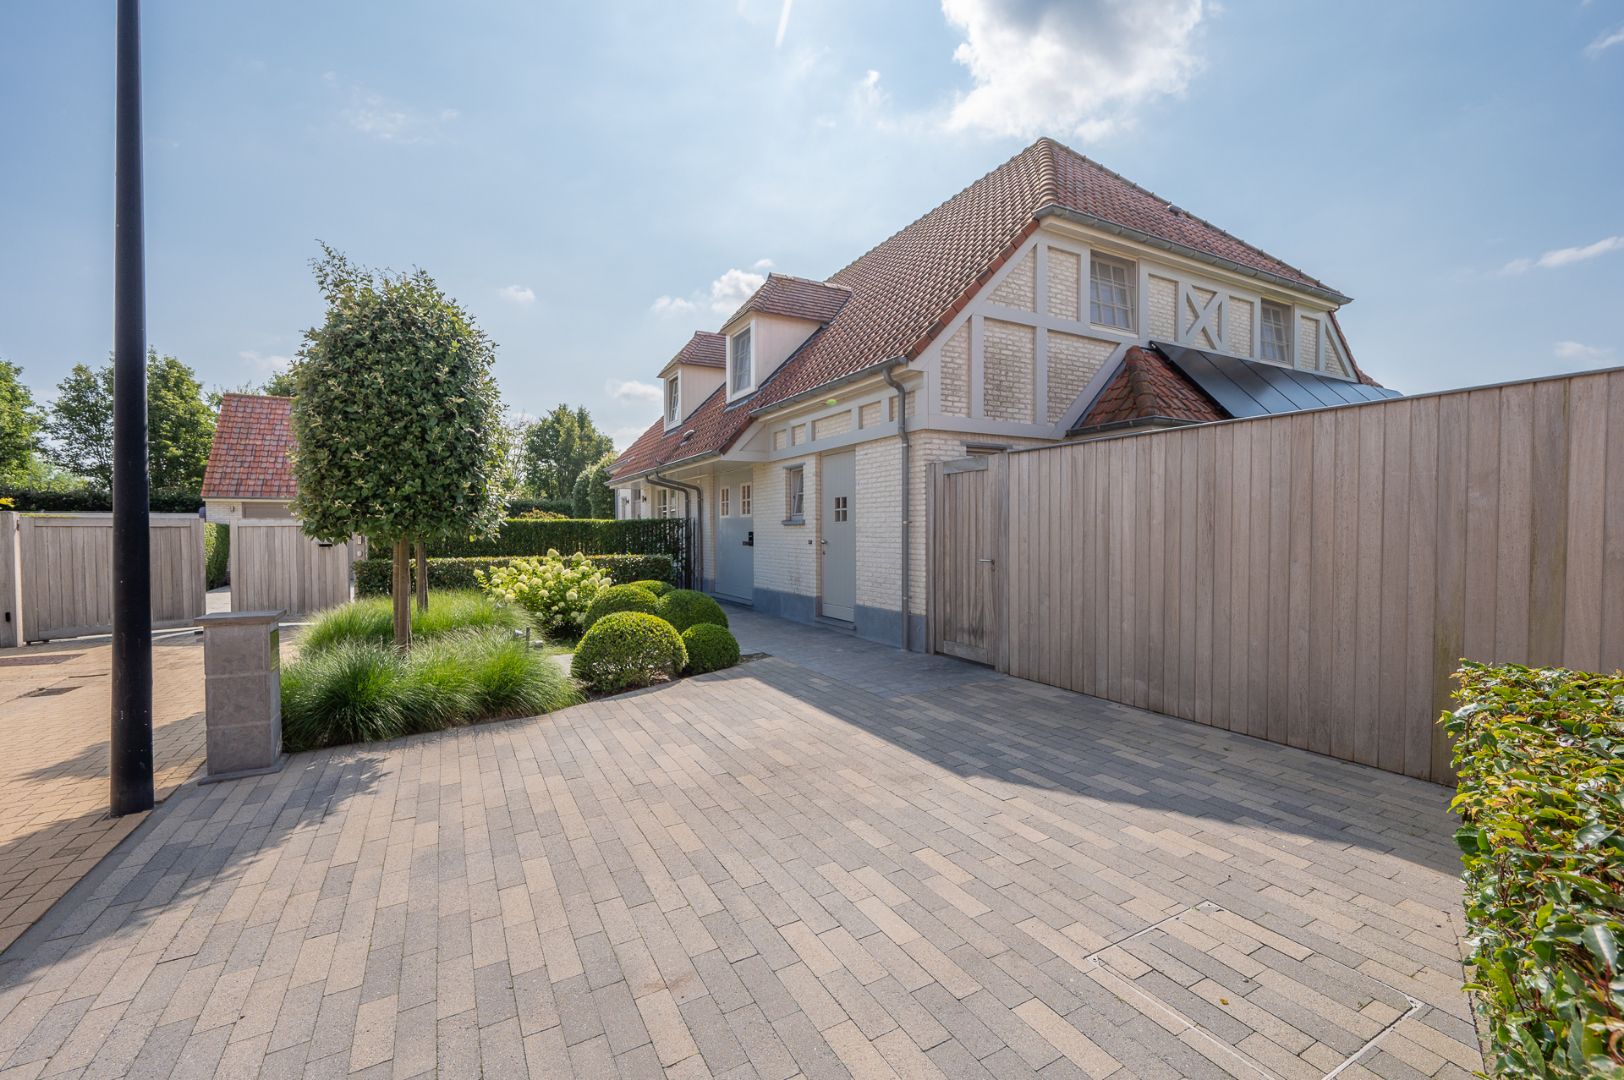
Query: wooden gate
x=275 y=566
x=64 y=563
x=966 y=526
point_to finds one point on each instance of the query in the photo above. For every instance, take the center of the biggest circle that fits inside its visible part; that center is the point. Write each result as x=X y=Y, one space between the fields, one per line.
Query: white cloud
x=869 y=93
x=783 y=23
x=632 y=390
x=381 y=118
x=1578 y=350
x=1605 y=42
x=265 y=363
x=723 y=297
x=623 y=437
x=517 y=294
x=1069 y=67
x=1560 y=257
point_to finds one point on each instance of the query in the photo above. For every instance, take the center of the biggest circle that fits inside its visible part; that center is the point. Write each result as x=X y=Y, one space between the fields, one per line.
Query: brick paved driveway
x=921 y=870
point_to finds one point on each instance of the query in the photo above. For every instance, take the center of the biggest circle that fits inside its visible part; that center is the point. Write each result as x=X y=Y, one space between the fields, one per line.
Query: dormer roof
x=795 y=297
x=704 y=349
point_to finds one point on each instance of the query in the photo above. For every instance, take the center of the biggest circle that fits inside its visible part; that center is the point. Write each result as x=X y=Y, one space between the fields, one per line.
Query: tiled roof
x=799 y=298
x=1147 y=386
x=249 y=457
x=704 y=349
x=905 y=291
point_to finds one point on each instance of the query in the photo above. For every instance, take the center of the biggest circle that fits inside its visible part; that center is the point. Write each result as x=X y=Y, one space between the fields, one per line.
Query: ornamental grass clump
x=365 y=691
x=683 y=608
x=1540 y=756
x=710 y=648
x=627 y=649
x=555 y=590
x=372 y=619
x=619 y=598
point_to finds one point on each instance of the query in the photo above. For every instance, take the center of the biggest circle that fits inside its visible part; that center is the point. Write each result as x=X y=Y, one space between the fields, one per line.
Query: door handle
x=986 y=560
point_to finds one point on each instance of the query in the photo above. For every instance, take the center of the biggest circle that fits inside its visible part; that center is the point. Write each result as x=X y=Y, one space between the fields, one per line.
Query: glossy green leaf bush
x=710 y=648
x=627 y=649
x=683 y=608
x=1540 y=753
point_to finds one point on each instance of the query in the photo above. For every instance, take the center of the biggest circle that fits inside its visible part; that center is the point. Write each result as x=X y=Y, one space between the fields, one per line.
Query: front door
x=837 y=518
x=735 y=536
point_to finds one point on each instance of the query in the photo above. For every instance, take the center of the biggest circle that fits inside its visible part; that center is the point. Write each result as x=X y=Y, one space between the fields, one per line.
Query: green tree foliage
x=180 y=424
x=396 y=416
x=19 y=425
x=558 y=448
x=593 y=497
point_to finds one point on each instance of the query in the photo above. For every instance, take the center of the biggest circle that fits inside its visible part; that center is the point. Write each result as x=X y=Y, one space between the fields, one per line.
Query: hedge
x=95 y=500
x=644 y=536
x=372 y=576
x=564 y=506
x=1540 y=756
x=216 y=553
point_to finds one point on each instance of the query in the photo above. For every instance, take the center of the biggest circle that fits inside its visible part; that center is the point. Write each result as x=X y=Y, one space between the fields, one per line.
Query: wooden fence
x=1311 y=579
x=56 y=580
x=275 y=566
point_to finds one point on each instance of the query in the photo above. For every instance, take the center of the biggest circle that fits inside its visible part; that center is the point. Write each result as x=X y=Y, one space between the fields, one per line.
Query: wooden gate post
x=11 y=583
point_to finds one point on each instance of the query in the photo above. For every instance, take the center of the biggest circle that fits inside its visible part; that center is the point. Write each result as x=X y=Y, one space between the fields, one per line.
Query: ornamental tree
x=19 y=423
x=396 y=418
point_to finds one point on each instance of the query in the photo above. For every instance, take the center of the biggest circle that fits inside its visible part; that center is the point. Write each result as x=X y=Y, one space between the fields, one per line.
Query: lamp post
x=131 y=757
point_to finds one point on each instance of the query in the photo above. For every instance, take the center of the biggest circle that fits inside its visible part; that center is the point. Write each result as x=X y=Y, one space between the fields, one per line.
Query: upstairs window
x=722 y=509
x=1274 y=336
x=744 y=500
x=673 y=401
x=1111 y=289
x=741 y=372
x=794 y=493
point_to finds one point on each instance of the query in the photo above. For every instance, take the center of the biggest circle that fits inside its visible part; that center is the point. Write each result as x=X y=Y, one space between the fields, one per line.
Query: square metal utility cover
x=1251 y=1001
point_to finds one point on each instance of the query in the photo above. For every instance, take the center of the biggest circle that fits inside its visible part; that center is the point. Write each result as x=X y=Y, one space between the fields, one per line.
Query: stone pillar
x=242 y=667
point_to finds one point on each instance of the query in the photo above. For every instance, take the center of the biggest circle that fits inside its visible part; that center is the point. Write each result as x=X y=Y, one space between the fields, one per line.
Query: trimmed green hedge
x=627 y=649
x=1540 y=755
x=619 y=598
x=683 y=608
x=372 y=575
x=216 y=553
x=96 y=500
x=710 y=648
x=645 y=536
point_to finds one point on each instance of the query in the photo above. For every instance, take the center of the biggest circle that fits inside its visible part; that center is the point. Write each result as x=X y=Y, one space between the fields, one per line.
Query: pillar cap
x=240 y=618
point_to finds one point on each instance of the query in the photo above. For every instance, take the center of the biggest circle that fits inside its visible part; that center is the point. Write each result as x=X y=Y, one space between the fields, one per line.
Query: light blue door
x=837 y=524
x=735 y=536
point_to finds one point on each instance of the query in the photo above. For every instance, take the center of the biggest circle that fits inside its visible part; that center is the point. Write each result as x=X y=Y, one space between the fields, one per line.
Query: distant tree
x=593 y=497
x=19 y=425
x=180 y=424
x=558 y=448
x=396 y=417
x=280 y=384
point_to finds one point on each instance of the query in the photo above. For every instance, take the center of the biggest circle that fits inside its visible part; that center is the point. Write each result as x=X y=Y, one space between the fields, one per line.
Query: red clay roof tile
x=249 y=456
x=1146 y=386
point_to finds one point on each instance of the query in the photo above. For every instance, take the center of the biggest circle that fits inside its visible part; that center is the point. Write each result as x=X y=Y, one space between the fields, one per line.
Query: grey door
x=837 y=497
x=735 y=537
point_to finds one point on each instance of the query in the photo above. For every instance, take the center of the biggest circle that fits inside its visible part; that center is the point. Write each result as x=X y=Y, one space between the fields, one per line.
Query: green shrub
x=372 y=619
x=1540 y=756
x=554 y=590
x=216 y=554
x=628 y=649
x=90 y=499
x=658 y=588
x=710 y=648
x=683 y=608
x=372 y=576
x=529 y=536
x=365 y=691
x=619 y=598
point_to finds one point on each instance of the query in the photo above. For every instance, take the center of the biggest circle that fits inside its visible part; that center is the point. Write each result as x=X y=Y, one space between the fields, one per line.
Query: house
x=1050 y=300
x=249 y=474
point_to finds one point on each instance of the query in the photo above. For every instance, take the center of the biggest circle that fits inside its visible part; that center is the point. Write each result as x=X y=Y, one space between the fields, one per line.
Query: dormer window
x=1274 y=337
x=673 y=401
x=741 y=370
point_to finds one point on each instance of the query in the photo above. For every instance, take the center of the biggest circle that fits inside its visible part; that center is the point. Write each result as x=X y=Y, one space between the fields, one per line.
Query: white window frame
x=722 y=502
x=795 y=493
x=1288 y=315
x=744 y=500
x=673 y=401
x=1129 y=286
x=734 y=389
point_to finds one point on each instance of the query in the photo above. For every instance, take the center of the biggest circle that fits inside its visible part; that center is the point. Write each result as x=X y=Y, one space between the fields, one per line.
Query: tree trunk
x=400 y=591
x=422 y=576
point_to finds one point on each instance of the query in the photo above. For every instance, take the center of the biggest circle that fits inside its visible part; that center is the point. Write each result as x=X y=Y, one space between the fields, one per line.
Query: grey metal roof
x=1245 y=388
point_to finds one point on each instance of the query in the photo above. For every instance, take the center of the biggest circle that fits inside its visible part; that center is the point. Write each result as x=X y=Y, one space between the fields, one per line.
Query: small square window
x=794 y=493
x=1274 y=336
x=722 y=503
x=842 y=508
x=741 y=368
x=1111 y=292
x=744 y=500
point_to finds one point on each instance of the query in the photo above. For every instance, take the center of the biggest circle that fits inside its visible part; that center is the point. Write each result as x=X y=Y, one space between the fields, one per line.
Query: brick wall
x=955 y=367
x=1008 y=379
x=786 y=556
x=1238 y=334
x=1065 y=268
x=829 y=426
x=1162 y=304
x=1308 y=342
x=1073 y=360
x=1019 y=287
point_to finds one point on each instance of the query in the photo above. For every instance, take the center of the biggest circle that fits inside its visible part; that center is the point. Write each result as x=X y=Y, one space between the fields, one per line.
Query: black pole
x=132 y=572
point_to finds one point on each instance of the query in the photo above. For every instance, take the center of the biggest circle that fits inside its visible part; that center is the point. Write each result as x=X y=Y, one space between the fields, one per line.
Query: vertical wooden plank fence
x=275 y=566
x=1311 y=579
x=11 y=596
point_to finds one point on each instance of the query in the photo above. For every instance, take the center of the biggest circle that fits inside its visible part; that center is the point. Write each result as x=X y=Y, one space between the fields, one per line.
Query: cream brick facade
x=1308 y=343
x=786 y=556
x=829 y=426
x=879 y=518
x=1019 y=287
x=1073 y=361
x=1161 y=303
x=1009 y=371
x=870 y=414
x=955 y=373
x=1065 y=271
x=1238 y=334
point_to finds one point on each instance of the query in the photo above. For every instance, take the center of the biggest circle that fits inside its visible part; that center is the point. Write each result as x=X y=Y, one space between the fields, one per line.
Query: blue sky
x=597 y=181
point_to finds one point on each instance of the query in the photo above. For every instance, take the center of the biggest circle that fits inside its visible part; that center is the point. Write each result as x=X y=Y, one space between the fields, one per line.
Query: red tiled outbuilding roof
x=1147 y=387
x=908 y=288
x=704 y=349
x=249 y=456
